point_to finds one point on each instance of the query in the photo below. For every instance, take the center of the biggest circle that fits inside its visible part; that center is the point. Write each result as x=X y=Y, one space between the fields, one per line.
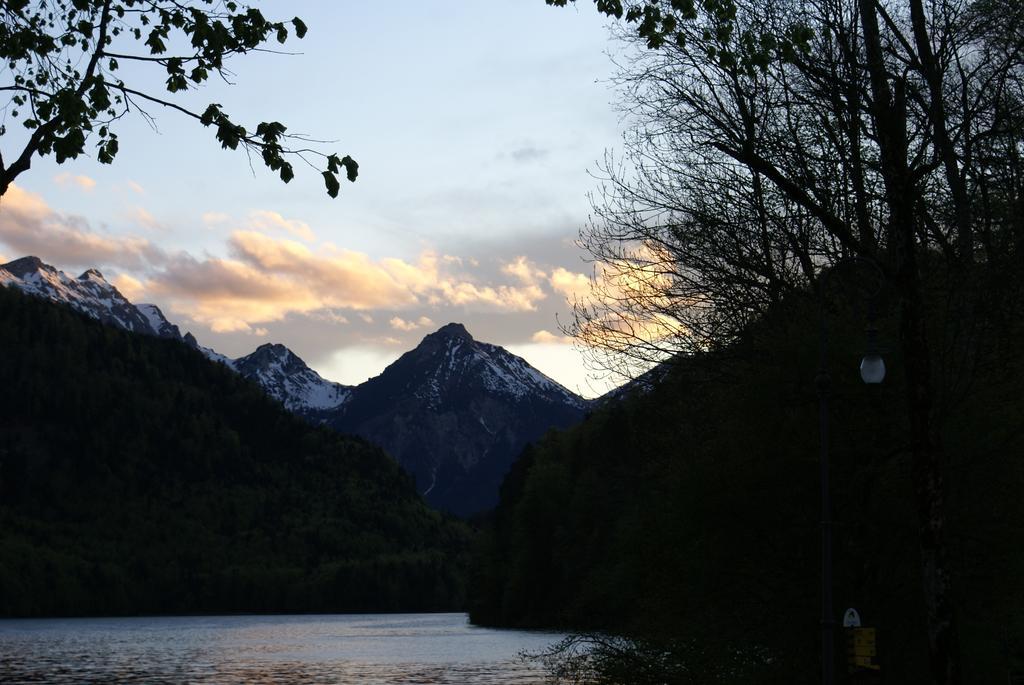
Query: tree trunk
x=929 y=481
x=888 y=111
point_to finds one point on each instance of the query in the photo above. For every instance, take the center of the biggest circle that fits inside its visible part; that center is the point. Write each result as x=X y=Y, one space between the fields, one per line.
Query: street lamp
x=872 y=366
x=872 y=371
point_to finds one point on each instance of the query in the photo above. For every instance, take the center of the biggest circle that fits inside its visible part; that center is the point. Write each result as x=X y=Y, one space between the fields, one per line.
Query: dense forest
x=136 y=476
x=687 y=518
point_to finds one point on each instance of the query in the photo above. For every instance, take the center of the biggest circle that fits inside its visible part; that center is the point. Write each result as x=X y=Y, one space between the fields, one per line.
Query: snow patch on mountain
x=158 y=322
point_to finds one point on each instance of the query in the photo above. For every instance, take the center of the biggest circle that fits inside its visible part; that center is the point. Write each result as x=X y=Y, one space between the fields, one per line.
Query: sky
x=474 y=122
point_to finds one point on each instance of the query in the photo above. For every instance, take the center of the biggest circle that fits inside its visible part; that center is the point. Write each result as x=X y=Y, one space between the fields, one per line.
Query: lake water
x=312 y=650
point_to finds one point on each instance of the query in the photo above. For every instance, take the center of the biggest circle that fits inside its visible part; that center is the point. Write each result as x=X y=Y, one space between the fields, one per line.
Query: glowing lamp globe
x=872 y=369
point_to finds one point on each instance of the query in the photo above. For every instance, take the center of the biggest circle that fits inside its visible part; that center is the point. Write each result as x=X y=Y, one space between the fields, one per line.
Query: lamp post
x=872 y=371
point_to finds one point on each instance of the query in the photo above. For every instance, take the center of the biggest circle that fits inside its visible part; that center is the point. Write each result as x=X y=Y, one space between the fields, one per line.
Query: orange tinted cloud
x=400 y=324
x=228 y=295
x=264 y=220
x=267 y=278
x=573 y=286
x=142 y=217
x=544 y=337
x=631 y=301
x=29 y=227
x=504 y=297
x=522 y=269
x=264 y=278
x=341 y=278
x=130 y=287
x=66 y=179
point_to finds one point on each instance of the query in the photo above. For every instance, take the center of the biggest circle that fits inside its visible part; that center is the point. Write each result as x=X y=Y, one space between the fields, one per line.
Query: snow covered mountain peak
x=26 y=265
x=452 y=330
x=92 y=275
x=288 y=379
x=271 y=352
x=450 y=362
x=89 y=294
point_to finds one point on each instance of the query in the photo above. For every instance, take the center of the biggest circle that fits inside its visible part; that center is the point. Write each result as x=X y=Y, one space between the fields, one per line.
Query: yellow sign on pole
x=861 y=649
x=864 y=641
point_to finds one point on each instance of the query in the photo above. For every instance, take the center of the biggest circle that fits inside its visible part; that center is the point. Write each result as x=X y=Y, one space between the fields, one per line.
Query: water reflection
x=376 y=650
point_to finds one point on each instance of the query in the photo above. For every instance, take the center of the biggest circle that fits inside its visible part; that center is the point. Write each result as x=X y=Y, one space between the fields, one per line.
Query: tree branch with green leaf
x=61 y=75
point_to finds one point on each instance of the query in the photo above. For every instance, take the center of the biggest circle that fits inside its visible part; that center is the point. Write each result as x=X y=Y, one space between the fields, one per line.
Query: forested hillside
x=687 y=518
x=136 y=476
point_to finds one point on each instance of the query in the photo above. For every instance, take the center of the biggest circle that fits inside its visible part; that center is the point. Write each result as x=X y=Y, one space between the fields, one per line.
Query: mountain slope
x=138 y=477
x=456 y=413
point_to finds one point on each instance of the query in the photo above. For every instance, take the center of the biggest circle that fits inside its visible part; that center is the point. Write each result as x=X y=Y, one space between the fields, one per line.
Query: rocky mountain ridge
x=281 y=373
x=89 y=294
x=454 y=412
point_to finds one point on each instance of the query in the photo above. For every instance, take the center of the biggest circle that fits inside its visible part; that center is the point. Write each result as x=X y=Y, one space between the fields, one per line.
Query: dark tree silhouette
x=775 y=137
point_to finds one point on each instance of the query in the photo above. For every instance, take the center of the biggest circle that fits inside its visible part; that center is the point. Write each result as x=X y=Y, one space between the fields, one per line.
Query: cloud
x=521 y=268
x=228 y=295
x=547 y=338
x=142 y=217
x=573 y=286
x=528 y=153
x=638 y=276
x=136 y=188
x=257 y=279
x=130 y=287
x=65 y=179
x=213 y=218
x=29 y=227
x=355 y=363
x=340 y=278
x=266 y=278
x=564 y=364
x=329 y=316
x=508 y=298
x=400 y=324
x=264 y=220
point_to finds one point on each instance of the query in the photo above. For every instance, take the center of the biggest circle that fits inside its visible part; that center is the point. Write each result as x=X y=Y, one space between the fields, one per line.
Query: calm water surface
x=371 y=649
